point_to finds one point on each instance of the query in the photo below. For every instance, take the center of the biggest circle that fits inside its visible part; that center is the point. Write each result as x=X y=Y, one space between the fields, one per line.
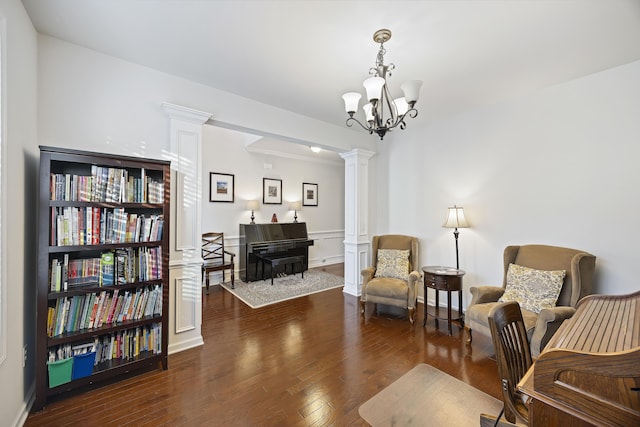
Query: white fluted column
x=356 y=220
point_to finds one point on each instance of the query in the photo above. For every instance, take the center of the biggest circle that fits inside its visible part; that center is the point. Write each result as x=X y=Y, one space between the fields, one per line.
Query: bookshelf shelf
x=68 y=337
x=64 y=203
x=94 y=287
x=103 y=268
x=107 y=246
x=108 y=370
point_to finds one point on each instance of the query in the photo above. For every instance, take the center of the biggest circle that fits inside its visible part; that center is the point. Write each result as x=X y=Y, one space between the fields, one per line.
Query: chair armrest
x=549 y=320
x=231 y=254
x=414 y=279
x=482 y=294
x=367 y=274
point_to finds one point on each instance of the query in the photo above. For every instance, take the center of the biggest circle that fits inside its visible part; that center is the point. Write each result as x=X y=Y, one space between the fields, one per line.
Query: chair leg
x=207 y=280
x=469 y=335
x=369 y=310
x=233 y=286
x=412 y=315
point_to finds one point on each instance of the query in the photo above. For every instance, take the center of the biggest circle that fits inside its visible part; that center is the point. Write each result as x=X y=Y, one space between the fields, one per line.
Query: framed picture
x=309 y=194
x=271 y=191
x=221 y=187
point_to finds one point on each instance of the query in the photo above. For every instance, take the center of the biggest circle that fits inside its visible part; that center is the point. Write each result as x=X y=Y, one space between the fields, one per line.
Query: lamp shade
x=411 y=90
x=295 y=206
x=373 y=85
x=455 y=218
x=253 y=205
x=351 y=100
x=368 y=111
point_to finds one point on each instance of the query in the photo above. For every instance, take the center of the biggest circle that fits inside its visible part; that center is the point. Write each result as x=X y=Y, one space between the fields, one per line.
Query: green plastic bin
x=60 y=372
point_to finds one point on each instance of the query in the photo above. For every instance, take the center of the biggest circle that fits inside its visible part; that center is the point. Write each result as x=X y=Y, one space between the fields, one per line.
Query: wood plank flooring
x=311 y=361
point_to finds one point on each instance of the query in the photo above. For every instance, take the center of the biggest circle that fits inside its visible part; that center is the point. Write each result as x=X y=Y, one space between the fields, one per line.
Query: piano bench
x=277 y=261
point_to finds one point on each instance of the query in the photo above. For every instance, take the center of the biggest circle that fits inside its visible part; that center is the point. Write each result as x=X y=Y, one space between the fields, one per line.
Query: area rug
x=426 y=396
x=261 y=292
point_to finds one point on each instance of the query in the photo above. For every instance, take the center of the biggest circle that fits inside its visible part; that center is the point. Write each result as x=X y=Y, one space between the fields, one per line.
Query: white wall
x=224 y=152
x=101 y=103
x=559 y=167
x=20 y=67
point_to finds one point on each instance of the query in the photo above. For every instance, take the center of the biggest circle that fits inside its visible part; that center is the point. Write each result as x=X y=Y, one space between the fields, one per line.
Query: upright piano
x=273 y=240
x=589 y=372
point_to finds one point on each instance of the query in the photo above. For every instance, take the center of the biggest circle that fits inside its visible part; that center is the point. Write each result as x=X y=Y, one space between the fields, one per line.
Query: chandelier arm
x=390 y=104
x=353 y=119
x=412 y=113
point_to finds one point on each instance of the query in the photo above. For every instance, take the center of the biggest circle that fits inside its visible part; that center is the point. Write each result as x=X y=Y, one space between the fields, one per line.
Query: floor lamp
x=455 y=219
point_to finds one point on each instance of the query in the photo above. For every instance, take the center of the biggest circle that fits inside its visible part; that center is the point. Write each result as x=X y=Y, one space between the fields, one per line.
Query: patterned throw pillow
x=393 y=263
x=533 y=289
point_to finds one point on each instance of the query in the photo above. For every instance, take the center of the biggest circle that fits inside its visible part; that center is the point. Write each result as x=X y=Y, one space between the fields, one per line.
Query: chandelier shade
x=382 y=112
x=411 y=90
x=351 y=101
x=373 y=86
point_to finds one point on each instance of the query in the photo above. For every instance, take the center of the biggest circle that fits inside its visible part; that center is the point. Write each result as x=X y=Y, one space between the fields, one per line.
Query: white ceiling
x=303 y=55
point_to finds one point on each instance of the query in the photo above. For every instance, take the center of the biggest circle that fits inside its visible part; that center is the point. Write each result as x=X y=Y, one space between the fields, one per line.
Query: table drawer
x=443 y=283
x=436 y=282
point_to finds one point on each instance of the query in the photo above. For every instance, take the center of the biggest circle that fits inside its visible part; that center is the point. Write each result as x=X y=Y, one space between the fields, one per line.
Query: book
x=107 y=269
x=65 y=272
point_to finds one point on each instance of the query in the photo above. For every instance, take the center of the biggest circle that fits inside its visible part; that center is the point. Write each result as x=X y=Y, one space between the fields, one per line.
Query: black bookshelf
x=79 y=215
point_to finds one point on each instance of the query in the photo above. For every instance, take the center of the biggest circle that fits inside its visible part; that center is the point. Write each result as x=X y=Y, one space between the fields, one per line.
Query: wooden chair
x=513 y=356
x=215 y=257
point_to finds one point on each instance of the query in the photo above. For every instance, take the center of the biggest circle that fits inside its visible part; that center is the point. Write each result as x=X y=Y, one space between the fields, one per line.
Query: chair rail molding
x=356 y=224
x=185 y=296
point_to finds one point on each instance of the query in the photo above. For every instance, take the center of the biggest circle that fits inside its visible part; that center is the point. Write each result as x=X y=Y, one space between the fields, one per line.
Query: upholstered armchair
x=392 y=278
x=532 y=276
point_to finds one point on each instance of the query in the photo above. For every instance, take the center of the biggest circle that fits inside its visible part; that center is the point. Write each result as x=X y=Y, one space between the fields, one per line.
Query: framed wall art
x=221 y=187
x=309 y=194
x=271 y=191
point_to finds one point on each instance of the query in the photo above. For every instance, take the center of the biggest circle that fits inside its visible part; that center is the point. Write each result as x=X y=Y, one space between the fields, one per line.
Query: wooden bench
x=277 y=261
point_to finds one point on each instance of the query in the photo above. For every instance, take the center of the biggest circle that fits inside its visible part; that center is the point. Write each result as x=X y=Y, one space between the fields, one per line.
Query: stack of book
x=124 y=265
x=77 y=226
x=123 y=345
x=90 y=311
x=105 y=184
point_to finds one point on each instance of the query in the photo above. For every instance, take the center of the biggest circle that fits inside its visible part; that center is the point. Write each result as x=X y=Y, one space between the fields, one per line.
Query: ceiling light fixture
x=315 y=149
x=383 y=113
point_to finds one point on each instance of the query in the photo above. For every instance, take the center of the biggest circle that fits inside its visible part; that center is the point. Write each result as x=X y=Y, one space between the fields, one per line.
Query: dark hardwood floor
x=311 y=361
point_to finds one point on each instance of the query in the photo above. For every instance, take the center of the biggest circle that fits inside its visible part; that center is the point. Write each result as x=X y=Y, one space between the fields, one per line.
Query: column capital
x=185 y=113
x=358 y=153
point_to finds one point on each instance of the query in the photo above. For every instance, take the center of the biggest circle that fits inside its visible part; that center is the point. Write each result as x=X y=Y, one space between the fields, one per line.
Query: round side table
x=447 y=279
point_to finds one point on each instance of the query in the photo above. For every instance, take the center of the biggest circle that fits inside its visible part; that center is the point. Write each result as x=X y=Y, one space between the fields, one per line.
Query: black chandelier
x=383 y=113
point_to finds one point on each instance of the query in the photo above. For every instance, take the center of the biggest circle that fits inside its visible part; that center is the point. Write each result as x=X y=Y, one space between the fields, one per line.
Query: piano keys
x=589 y=372
x=273 y=240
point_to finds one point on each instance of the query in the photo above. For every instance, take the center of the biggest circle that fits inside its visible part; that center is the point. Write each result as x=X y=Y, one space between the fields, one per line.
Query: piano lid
x=270 y=232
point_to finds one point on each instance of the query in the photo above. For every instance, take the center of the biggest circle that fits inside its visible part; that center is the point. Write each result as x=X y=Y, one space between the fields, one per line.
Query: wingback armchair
x=392 y=278
x=578 y=267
